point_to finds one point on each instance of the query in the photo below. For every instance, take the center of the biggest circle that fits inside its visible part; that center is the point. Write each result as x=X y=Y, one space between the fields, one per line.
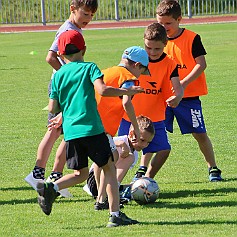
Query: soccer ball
x=145 y=190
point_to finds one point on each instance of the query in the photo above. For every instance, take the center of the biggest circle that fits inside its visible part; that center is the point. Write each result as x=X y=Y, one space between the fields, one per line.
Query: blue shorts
x=188 y=115
x=160 y=141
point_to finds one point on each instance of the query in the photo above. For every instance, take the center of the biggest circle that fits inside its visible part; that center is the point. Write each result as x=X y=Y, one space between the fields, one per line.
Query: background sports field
x=188 y=205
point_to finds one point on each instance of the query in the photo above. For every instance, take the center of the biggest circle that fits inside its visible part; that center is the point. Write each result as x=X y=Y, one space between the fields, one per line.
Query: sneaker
x=215 y=174
x=99 y=206
x=63 y=192
x=127 y=193
x=87 y=190
x=47 y=196
x=140 y=173
x=105 y=205
x=122 y=219
x=32 y=181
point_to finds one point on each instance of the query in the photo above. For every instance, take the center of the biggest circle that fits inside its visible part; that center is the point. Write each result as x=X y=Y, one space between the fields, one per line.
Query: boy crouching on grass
x=73 y=93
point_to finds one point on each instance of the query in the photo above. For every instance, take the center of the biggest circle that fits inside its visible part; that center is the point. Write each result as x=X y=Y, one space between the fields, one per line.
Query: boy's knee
x=82 y=174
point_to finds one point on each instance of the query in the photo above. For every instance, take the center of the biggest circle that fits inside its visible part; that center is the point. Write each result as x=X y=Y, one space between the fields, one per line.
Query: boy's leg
x=111 y=184
x=122 y=167
x=48 y=191
x=44 y=149
x=190 y=120
x=206 y=148
x=60 y=158
x=101 y=200
x=156 y=163
x=59 y=163
x=144 y=162
x=159 y=146
x=46 y=145
x=117 y=218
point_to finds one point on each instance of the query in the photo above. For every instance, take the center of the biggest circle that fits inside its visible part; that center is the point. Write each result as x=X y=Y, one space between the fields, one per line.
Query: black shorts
x=96 y=147
x=91 y=183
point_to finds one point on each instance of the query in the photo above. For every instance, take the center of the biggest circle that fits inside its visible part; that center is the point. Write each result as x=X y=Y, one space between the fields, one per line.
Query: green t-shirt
x=72 y=87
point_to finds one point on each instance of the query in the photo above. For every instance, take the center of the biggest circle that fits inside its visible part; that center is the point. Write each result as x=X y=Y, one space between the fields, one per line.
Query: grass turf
x=189 y=205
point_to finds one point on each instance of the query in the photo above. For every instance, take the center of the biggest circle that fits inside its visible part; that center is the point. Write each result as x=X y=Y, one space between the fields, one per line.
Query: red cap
x=70 y=42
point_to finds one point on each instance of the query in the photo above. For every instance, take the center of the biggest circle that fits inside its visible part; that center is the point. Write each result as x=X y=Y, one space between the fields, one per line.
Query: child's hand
x=134 y=90
x=125 y=151
x=55 y=122
x=173 y=101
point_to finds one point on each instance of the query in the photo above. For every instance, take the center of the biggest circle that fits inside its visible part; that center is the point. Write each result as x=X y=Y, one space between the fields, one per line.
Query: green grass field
x=189 y=205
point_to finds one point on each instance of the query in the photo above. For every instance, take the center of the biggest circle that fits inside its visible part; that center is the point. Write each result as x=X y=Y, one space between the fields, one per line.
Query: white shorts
x=111 y=143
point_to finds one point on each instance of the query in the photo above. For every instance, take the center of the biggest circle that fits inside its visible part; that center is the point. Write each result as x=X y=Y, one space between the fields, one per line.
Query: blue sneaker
x=215 y=174
x=126 y=194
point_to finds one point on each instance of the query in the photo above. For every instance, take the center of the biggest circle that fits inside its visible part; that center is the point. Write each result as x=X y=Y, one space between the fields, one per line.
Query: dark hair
x=155 y=31
x=71 y=49
x=169 y=8
x=91 y=5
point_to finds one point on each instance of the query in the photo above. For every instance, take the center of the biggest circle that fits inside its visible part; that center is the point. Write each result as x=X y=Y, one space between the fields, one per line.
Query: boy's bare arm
x=53 y=106
x=178 y=91
x=104 y=90
x=129 y=109
x=53 y=60
x=196 y=72
x=124 y=148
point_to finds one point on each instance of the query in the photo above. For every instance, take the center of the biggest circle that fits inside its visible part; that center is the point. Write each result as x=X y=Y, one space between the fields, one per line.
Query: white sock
x=115 y=213
x=55 y=186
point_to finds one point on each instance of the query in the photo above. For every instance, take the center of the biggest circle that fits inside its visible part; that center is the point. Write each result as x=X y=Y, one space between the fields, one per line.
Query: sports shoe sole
x=32 y=181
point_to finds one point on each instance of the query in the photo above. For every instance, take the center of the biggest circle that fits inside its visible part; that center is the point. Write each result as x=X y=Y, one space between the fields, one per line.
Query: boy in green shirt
x=73 y=93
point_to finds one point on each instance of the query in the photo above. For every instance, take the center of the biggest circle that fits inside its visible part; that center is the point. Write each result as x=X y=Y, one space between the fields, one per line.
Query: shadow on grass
x=199 y=193
x=34 y=200
x=196 y=222
x=190 y=205
x=13 y=68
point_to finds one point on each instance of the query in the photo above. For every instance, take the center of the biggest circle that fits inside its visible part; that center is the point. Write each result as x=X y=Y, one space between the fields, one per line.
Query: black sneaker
x=140 y=173
x=99 y=206
x=47 y=196
x=122 y=219
x=215 y=174
x=105 y=205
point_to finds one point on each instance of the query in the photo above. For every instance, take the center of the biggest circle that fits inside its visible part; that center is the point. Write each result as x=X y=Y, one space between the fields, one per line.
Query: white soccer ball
x=145 y=190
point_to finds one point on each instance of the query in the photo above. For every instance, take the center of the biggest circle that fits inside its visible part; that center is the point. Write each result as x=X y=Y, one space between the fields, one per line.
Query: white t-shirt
x=67 y=25
x=125 y=139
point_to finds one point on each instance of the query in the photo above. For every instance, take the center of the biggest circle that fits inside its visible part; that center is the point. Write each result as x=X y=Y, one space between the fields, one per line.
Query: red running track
x=115 y=24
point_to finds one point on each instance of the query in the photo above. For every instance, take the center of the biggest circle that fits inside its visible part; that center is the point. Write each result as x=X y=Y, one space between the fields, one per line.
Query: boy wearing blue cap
x=134 y=62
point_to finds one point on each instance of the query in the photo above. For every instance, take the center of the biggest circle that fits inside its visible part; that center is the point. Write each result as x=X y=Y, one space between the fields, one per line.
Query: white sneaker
x=31 y=180
x=87 y=190
x=64 y=192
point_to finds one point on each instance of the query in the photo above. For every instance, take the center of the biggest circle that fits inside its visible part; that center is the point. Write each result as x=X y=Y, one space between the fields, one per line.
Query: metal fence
x=50 y=11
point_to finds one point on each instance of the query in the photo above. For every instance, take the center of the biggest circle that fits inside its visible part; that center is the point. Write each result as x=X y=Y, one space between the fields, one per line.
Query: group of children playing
x=139 y=98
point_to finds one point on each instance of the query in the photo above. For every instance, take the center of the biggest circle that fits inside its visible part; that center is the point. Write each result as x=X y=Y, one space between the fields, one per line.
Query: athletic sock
x=55 y=186
x=55 y=175
x=116 y=213
x=38 y=172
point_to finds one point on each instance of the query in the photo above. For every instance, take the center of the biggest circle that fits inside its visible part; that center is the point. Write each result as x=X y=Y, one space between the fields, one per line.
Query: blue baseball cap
x=137 y=54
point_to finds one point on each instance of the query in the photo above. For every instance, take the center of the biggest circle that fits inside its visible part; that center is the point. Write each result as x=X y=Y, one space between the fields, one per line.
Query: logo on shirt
x=196 y=118
x=181 y=66
x=152 y=91
x=152 y=83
